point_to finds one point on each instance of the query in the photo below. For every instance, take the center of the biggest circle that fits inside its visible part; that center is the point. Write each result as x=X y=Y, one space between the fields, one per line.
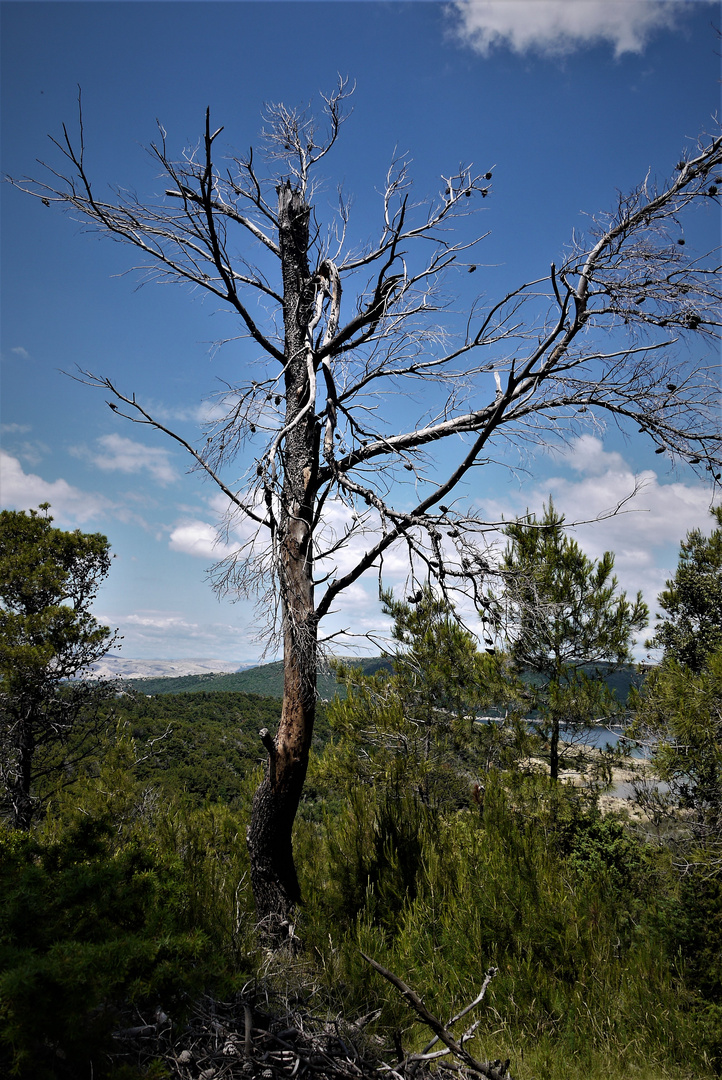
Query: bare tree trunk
x=554 y=750
x=21 y=799
x=273 y=873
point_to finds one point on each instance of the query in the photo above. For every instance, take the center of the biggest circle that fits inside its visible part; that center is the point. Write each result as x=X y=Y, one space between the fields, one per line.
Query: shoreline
x=618 y=795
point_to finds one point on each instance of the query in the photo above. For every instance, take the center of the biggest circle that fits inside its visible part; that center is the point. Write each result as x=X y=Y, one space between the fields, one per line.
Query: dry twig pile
x=260 y=1037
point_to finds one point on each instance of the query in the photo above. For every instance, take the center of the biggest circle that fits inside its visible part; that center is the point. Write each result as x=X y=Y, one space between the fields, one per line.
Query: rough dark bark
x=554 y=750
x=273 y=873
x=21 y=799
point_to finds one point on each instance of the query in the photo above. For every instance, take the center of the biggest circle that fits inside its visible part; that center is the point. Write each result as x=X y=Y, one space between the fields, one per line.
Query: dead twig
x=492 y=1070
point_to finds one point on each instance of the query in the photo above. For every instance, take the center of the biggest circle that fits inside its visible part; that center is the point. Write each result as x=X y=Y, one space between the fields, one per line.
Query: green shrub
x=534 y=883
x=86 y=930
x=121 y=903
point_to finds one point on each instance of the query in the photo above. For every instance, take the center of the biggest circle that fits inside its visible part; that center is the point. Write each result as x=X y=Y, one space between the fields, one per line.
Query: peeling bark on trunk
x=273 y=873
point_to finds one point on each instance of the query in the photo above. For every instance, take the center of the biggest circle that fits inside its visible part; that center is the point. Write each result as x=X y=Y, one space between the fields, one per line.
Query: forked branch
x=492 y=1070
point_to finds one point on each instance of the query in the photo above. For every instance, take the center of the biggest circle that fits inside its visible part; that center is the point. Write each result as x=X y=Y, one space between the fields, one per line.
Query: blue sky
x=568 y=100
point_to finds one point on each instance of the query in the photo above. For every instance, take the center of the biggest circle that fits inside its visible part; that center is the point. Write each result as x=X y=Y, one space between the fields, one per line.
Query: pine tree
x=679 y=711
x=565 y=618
x=418 y=726
x=691 y=629
x=48 y=638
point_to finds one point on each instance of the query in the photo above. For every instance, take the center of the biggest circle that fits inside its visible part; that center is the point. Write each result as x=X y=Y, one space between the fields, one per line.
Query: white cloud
x=644 y=535
x=559 y=27
x=25 y=491
x=163 y=621
x=204 y=412
x=21 y=352
x=120 y=454
x=587 y=456
x=199 y=539
x=15 y=429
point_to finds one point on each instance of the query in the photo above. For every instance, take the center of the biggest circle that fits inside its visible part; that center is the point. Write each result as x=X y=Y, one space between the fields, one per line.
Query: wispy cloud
x=560 y=27
x=644 y=535
x=161 y=621
x=25 y=491
x=172 y=634
x=117 y=453
x=30 y=451
x=15 y=429
x=23 y=353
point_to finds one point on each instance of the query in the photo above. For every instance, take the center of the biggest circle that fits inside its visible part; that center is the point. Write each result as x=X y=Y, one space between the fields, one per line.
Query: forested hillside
x=202 y=745
x=267 y=680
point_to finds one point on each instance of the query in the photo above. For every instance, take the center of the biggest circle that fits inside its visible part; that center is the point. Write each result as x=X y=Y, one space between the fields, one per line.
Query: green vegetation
x=563 y=615
x=679 y=709
x=536 y=883
x=426 y=840
x=119 y=901
x=202 y=745
x=48 y=579
x=413 y=731
x=678 y=714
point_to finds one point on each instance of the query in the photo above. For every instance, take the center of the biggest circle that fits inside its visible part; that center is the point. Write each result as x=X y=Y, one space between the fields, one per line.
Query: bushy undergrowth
x=534 y=883
x=127 y=899
x=119 y=905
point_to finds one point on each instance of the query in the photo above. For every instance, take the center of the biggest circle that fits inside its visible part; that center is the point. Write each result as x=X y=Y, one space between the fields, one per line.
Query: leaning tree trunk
x=273 y=873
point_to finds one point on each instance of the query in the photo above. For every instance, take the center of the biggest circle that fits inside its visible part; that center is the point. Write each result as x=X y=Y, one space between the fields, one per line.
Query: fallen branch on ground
x=492 y=1070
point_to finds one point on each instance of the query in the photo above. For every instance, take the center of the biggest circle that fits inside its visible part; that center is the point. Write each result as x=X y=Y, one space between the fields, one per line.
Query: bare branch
x=613 y=334
x=493 y=1070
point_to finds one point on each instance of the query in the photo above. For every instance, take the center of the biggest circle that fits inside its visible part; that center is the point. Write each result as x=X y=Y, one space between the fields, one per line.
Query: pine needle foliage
x=120 y=904
x=535 y=883
x=564 y=617
x=421 y=726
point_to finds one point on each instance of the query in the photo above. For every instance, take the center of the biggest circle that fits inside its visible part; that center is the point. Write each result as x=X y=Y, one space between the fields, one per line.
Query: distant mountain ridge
x=266 y=680
x=118 y=667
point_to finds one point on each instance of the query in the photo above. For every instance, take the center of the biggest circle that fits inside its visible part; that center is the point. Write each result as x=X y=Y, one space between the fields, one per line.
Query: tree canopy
x=564 y=613
x=48 y=580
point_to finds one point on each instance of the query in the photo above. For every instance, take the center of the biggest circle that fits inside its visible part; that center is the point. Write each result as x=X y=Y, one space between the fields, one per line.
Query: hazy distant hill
x=266 y=680
x=114 y=667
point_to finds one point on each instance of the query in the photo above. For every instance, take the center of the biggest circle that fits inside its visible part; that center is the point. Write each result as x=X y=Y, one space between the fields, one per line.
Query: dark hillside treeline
x=204 y=744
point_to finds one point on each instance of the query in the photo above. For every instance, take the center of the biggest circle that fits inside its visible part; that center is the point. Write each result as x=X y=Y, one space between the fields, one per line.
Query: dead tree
x=342 y=332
